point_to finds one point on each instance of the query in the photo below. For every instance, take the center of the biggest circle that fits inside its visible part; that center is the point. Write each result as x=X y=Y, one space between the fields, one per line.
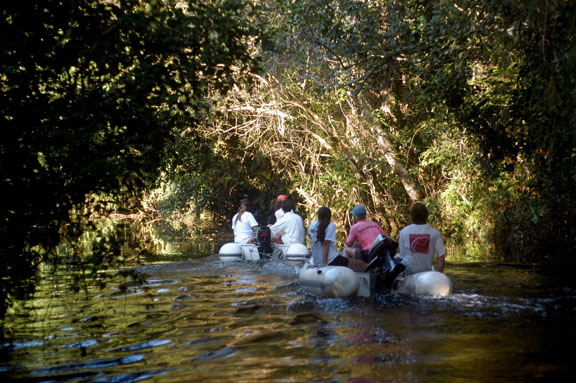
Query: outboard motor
x=264 y=239
x=382 y=262
x=382 y=254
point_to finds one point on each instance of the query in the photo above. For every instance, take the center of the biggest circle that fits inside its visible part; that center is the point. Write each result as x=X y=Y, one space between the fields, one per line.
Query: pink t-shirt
x=365 y=232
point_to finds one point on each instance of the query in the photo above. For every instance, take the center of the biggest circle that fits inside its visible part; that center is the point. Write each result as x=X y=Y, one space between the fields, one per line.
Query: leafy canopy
x=93 y=93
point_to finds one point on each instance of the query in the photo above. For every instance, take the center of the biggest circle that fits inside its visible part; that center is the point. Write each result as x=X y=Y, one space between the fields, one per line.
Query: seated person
x=363 y=232
x=290 y=228
x=279 y=213
x=419 y=242
x=322 y=234
x=244 y=224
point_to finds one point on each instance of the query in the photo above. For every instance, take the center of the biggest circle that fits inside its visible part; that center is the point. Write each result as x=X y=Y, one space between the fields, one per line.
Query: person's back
x=317 y=247
x=290 y=228
x=364 y=232
x=244 y=224
x=419 y=242
x=322 y=244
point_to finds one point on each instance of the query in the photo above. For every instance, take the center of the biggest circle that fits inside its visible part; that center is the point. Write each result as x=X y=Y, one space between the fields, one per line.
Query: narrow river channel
x=200 y=320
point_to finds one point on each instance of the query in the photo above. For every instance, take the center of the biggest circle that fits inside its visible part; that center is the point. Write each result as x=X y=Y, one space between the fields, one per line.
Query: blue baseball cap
x=359 y=210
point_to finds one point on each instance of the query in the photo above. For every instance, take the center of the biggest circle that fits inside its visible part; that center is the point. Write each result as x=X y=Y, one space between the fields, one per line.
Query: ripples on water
x=204 y=321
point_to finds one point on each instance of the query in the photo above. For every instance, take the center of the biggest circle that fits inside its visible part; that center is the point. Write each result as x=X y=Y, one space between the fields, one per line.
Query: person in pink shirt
x=362 y=234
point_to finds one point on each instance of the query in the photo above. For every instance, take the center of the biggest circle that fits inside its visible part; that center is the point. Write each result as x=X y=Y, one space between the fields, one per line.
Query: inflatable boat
x=383 y=274
x=342 y=282
x=296 y=254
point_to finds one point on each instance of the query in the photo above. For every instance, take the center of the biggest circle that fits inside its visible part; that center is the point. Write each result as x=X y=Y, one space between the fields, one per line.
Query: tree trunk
x=399 y=169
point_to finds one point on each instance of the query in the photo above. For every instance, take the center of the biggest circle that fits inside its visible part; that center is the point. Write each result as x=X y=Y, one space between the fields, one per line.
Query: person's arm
x=278 y=227
x=351 y=237
x=401 y=249
x=440 y=251
x=325 y=251
x=253 y=223
x=440 y=264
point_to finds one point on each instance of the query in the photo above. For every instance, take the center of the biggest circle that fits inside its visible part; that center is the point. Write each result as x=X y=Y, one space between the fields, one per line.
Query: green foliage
x=472 y=99
x=468 y=105
x=92 y=97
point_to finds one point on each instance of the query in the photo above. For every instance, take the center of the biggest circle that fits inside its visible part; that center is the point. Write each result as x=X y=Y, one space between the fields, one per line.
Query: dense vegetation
x=467 y=105
x=156 y=111
x=94 y=95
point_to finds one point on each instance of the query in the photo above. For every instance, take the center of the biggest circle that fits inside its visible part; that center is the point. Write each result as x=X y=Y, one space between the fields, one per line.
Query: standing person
x=419 y=242
x=290 y=228
x=322 y=233
x=362 y=235
x=244 y=224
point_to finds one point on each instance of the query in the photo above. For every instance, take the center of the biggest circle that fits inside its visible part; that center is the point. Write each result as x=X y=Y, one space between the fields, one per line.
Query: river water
x=200 y=320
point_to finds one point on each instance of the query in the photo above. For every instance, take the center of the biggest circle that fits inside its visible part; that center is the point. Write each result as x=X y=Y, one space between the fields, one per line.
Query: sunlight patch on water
x=97 y=364
x=144 y=345
x=475 y=304
x=132 y=377
x=83 y=344
x=20 y=345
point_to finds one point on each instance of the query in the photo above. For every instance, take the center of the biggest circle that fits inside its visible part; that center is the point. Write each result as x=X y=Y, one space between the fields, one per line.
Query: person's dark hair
x=324 y=216
x=287 y=206
x=245 y=206
x=419 y=213
x=281 y=198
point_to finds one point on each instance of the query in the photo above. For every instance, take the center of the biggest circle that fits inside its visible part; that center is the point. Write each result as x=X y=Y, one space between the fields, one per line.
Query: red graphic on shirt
x=419 y=243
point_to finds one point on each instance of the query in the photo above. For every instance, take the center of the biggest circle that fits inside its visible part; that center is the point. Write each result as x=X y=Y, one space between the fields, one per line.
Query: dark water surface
x=201 y=320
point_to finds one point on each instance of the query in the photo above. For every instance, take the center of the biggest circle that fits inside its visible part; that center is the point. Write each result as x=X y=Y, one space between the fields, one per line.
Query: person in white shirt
x=419 y=242
x=244 y=224
x=322 y=233
x=279 y=213
x=290 y=228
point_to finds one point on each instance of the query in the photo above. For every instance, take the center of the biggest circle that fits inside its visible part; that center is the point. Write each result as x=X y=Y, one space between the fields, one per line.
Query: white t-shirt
x=291 y=227
x=280 y=213
x=316 y=246
x=243 y=227
x=418 y=243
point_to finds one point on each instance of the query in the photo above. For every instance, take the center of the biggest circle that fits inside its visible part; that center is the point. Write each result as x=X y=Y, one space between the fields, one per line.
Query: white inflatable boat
x=296 y=254
x=384 y=273
x=341 y=282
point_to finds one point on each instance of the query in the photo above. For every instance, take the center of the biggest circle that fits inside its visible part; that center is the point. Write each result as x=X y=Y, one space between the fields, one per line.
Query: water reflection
x=202 y=320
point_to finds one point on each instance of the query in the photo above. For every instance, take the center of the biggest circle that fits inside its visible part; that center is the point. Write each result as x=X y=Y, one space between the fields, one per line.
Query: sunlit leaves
x=475 y=96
